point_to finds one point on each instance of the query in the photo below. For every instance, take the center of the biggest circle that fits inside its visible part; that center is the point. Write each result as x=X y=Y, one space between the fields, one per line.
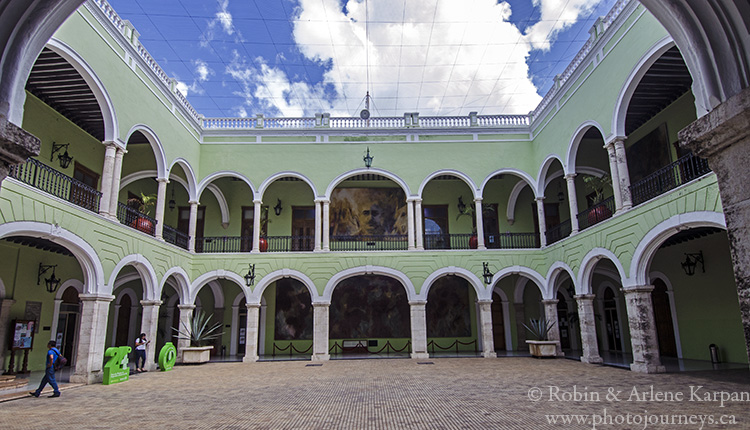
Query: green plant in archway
x=198 y=331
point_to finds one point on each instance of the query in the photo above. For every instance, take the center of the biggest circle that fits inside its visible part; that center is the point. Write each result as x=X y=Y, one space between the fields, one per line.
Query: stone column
x=320 y=332
x=485 y=326
x=326 y=225
x=106 y=185
x=410 y=225
x=150 y=325
x=542 y=221
x=418 y=329
x=723 y=137
x=256 y=224
x=520 y=330
x=418 y=223
x=587 y=322
x=572 y=202
x=550 y=314
x=193 y=224
x=622 y=173
x=116 y=173
x=16 y=145
x=185 y=329
x=91 y=338
x=643 y=337
x=318 y=225
x=5 y=305
x=614 y=175
x=480 y=223
x=161 y=198
x=251 y=333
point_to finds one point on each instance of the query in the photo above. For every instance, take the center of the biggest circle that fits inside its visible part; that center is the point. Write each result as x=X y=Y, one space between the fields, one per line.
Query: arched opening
x=225 y=216
x=556 y=206
x=449 y=215
x=369 y=315
x=210 y=299
x=595 y=197
x=663 y=318
x=68 y=324
x=452 y=319
x=513 y=201
x=288 y=222
x=287 y=326
x=499 y=311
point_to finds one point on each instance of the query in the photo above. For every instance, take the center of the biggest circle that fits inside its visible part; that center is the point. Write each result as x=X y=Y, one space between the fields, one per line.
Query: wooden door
x=612 y=321
x=435 y=227
x=491 y=225
x=246 y=230
x=663 y=318
x=498 y=322
x=183 y=224
x=563 y=322
x=303 y=228
x=80 y=195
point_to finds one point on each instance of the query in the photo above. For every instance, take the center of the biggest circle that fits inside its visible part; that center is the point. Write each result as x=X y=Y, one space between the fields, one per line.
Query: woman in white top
x=140 y=352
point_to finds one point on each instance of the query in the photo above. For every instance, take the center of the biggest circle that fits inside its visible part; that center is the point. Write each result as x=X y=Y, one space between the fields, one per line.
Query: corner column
x=485 y=324
x=5 y=305
x=480 y=223
x=150 y=325
x=418 y=329
x=161 y=197
x=550 y=314
x=318 y=225
x=107 y=172
x=622 y=173
x=193 y=222
x=256 y=224
x=572 y=202
x=185 y=328
x=614 y=175
x=91 y=338
x=643 y=337
x=418 y=224
x=410 y=223
x=116 y=174
x=587 y=323
x=542 y=221
x=251 y=333
x=320 y=332
x=326 y=225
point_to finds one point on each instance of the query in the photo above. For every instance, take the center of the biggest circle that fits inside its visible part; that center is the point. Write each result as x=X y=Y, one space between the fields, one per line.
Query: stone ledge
x=16 y=144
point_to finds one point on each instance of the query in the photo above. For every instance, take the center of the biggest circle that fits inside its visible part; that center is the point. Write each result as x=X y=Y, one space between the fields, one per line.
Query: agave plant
x=199 y=332
x=539 y=328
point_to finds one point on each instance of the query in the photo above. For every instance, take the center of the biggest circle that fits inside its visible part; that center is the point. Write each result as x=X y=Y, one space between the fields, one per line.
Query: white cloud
x=182 y=87
x=446 y=57
x=222 y=18
x=202 y=70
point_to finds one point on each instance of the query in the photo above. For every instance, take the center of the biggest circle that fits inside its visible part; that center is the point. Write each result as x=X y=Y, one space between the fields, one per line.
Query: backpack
x=60 y=362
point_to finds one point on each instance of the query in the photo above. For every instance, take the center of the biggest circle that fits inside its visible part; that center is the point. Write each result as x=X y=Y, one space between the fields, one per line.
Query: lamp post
x=368 y=158
x=486 y=274
x=250 y=276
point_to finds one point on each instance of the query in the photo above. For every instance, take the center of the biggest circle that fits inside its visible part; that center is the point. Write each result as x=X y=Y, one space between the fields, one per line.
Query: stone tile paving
x=452 y=393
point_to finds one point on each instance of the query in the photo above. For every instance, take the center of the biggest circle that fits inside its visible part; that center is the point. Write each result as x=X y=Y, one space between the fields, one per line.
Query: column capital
x=321 y=200
x=96 y=298
x=484 y=301
x=151 y=302
x=584 y=297
x=186 y=307
x=478 y=199
x=550 y=301
x=570 y=176
x=321 y=304
x=193 y=202
x=113 y=144
x=614 y=140
x=417 y=302
x=540 y=198
x=258 y=201
x=162 y=180
x=638 y=289
x=252 y=305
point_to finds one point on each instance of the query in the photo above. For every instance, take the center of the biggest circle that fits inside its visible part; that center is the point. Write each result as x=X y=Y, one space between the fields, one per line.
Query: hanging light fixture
x=277 y=208
x=368 y=158
x=64 y=158
x=487 y=275
x=250 y=276
x=52 y=282
x=172 y=202
x=691 y=261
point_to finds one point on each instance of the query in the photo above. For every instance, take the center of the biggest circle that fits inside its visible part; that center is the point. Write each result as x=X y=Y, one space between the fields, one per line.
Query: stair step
x=7 y=377
x=13 y=384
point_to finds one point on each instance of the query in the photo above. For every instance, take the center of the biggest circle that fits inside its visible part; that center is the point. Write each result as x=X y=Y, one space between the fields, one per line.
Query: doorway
x=68 y=323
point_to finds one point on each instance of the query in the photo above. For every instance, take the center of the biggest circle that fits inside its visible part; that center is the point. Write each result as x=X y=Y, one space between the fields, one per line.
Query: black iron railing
x=132 y=218
x=558 y=232
x=210 y=244
x=597 y=213
x=175 y=237
x=290 y=243
x=393 y=242
x=672 y=176
x=512 y=240
x=450 y=241
x=39 y=175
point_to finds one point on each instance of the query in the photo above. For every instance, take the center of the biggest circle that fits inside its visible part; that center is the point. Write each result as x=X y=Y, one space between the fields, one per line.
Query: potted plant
x=199 y=333
x=468 y=210
x=596 y=185
x=540 y=346
x=142 y=204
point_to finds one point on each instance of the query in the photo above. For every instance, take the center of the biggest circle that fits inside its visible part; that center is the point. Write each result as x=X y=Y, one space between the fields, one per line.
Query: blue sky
x=293 y=58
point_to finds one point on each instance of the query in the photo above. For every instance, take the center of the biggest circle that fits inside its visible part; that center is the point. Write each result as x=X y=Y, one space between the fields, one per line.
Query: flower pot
x=263 y=244
x=543 y=348
x=196 y=354
x=598 y=214
x=143 y=224
x=473 y=242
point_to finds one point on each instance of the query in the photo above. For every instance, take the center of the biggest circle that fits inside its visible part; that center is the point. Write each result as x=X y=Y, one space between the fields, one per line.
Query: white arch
x=588 y=264
x=541 y=183
x=280 y=274
x=70 y=283
x=471 y=278
x=218 y=294
x=575 y=142
x=222 y=174
x=91 y=266
x=127 y=292
x=459 y=175
x=144 y=269
x=368 y=270
x=189 y=173
x=373 y=170
x=553 y=275
x=286 y=174
x=647 y=247
x=631 y=83
x=510 y=211
x=111 y=126
x=182 y=280
x=216 y=274
x=508 y=171
x=156 y=147
x=525 y=272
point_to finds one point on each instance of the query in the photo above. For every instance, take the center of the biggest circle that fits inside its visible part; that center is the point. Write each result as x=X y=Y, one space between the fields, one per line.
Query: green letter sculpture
x=167 y=357
x=116 y=369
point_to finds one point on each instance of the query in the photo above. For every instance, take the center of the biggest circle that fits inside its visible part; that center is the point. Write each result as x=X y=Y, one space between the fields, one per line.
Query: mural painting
x=366 y=307
x=293 y=320
x=368 y=212
x=447 y=309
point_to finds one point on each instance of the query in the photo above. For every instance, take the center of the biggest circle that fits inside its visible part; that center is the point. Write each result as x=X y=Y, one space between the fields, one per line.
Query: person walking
x=140 y=353
x=49 y=371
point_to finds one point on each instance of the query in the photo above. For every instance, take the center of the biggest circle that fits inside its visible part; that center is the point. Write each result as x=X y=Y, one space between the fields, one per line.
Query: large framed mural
x=367 y=307
x=448 y=313
x=293 y=319
x=368 y=212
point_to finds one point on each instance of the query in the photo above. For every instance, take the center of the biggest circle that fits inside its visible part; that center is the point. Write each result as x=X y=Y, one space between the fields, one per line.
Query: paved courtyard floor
x=451 y=393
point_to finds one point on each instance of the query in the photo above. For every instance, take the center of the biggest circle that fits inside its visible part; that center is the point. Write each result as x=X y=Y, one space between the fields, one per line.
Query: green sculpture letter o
x=167 y=357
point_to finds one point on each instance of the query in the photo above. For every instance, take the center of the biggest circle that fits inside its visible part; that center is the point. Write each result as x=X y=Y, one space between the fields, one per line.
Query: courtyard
x=439 y=393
